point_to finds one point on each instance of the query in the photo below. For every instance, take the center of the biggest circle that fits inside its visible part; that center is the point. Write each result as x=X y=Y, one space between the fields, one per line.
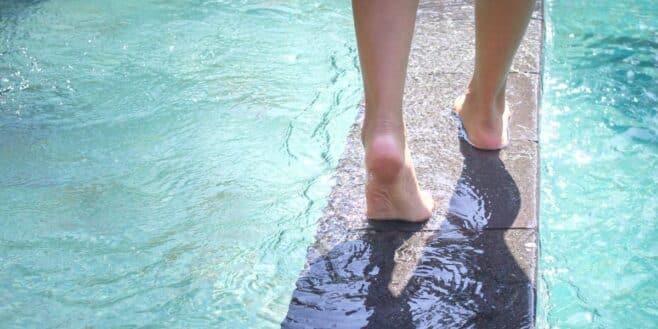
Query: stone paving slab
x=484 y=193
x=386 y=279
x=523 y=101
x=444 y=41
x=473 y=264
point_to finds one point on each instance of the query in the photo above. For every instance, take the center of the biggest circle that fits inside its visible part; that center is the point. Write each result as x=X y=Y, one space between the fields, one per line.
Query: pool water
x=599 y=179
x=164 y=163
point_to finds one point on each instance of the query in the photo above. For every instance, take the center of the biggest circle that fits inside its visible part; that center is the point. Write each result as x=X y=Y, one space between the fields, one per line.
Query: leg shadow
x=348 y=286
x=475 y=271
x=464 y=275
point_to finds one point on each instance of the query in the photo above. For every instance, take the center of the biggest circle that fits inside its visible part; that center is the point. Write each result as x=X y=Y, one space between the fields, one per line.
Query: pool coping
x=503 y=235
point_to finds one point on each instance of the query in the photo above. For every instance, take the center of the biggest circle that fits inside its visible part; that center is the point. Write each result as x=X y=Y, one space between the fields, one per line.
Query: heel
x=384 y=159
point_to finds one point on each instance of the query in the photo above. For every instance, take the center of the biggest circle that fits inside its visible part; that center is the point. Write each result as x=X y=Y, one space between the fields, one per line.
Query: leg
x=384 y=29
x=499 y=25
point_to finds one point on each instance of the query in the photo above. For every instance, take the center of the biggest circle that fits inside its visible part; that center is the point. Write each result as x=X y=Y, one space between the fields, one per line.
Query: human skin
x=384 y=30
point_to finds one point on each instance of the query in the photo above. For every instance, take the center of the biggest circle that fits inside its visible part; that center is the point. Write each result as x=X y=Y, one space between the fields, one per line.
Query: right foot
x=392 y=191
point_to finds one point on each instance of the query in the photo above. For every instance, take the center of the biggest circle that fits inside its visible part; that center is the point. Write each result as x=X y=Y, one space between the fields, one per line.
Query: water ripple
x=164 y=164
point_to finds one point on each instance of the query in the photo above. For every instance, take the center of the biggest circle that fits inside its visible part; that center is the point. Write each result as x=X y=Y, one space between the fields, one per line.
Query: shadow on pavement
x=396 y=275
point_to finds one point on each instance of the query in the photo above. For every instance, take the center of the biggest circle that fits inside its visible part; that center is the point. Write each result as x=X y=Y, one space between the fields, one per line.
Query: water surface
x=599 y=144
x=164 y=163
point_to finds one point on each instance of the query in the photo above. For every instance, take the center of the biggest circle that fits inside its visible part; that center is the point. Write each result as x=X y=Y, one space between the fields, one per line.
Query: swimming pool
x=599 y=142
x=164 y=163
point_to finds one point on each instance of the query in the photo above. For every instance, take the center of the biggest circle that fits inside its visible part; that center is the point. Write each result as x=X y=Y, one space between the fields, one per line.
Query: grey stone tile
x=444 y=39
x=522 y=99
x=392 y=279
x=538 y=12
x=463 y=9
x=480 y=189
x=442 y=45
x=496 y=190
x=432 y=10
x=473 y=264
x=528 y=57
x=522 y=162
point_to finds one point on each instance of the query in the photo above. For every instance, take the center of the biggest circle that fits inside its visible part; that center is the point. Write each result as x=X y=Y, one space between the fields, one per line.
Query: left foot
x=486 y=125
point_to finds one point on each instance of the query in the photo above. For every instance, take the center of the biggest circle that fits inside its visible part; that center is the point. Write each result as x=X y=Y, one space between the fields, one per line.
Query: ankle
x=484 y=104
x=486 y=98
x=381 y=126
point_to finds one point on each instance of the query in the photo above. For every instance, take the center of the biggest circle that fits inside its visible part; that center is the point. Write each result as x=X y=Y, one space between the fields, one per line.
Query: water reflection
x=396 y=275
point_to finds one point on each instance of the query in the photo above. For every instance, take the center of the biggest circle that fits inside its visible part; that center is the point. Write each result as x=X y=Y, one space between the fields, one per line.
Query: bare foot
x=392 y=190
x=486 y=126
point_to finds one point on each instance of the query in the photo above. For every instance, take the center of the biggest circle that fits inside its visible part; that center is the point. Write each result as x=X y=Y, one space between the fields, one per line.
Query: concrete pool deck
x=474 y=263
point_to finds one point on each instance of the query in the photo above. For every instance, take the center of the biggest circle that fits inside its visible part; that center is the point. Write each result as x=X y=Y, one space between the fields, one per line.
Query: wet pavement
x=474 y=263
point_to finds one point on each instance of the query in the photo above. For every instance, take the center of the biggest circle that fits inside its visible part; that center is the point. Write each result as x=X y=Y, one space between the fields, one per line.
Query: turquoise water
x=599 y=143
x=163 y=163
